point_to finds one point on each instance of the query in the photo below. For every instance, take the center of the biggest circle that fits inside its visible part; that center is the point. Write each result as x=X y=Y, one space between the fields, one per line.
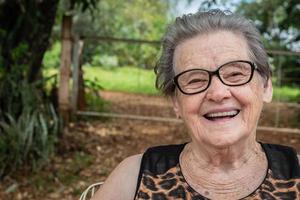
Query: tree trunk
x=25 y=29
x=25 y=34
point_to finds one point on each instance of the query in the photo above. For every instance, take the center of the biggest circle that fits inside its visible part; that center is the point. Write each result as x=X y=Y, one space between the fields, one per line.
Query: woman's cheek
x=253 y=104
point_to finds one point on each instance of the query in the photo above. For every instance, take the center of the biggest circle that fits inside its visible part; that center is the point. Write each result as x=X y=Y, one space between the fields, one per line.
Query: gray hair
x=191 y=25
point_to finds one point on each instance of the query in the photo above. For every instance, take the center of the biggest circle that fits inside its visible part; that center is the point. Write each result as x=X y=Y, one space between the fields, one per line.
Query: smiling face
x=222 y=115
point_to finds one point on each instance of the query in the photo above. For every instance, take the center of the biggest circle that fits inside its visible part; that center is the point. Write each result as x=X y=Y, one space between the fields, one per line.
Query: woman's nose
x=217 y=91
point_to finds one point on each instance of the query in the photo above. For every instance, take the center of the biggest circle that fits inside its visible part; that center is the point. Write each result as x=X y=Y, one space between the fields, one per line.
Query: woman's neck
x=226 y=157
x=228 y=173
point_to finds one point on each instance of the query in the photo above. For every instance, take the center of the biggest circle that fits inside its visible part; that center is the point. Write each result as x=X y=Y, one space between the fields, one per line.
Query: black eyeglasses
x=234 y=73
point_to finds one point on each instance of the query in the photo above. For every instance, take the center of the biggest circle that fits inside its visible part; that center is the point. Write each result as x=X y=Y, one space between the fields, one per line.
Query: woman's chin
x=224 y=139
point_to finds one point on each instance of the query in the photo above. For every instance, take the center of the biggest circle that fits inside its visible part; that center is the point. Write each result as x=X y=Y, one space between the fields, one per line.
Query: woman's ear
x=268 y=91
x=175 y=105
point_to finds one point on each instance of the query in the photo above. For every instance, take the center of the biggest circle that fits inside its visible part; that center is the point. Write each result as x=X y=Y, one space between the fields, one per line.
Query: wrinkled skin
x=208 y=52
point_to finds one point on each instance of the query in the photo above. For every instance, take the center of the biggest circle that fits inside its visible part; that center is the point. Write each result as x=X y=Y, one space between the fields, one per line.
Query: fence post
x=78 y=101
x=81 y=103
x=65 y=70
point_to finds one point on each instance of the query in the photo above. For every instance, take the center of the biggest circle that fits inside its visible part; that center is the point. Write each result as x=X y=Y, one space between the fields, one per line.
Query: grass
x=290 y=94
x=127 y=79
x=135 y=80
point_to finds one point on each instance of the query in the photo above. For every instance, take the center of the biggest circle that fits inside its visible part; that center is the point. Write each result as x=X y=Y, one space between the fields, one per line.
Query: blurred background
x=77 y=87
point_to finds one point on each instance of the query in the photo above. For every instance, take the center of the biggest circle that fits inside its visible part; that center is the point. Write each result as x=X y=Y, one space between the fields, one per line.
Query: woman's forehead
x=210 y=50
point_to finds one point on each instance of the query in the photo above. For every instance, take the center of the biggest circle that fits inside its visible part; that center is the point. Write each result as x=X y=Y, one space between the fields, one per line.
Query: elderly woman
x=215 y=70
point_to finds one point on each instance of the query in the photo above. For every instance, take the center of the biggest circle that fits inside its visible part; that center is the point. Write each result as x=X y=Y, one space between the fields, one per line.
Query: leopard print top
x=160 y=176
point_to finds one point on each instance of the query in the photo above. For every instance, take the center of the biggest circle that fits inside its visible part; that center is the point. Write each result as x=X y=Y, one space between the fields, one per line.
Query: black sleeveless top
x=160 y=176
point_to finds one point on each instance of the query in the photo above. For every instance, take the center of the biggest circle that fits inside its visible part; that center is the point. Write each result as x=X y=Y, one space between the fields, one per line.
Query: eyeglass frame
x=213 y=73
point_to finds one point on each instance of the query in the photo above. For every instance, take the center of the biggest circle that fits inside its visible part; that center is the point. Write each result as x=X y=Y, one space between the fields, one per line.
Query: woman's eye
x=234 y=77
x=197 y=81
x=233 y=74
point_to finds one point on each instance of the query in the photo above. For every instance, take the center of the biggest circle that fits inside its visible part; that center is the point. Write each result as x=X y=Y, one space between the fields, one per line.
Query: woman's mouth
x=214 y=116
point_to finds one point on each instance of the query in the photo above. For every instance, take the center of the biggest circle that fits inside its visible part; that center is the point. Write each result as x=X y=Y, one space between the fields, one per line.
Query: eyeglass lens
x=231 y=74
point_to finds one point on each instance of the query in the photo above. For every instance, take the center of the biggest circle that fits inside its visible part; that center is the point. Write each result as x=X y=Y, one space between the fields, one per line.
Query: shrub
x=94 y=101
x=28 y=125
x=52 y=56
x=105 y=61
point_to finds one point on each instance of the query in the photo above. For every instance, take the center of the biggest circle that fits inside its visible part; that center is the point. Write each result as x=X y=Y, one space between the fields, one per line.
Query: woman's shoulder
x=159 y=159
x=164 y=150
x=280 y=151
x=131 y=161
x=283 y=161
x=128 y=168
x=121 y=183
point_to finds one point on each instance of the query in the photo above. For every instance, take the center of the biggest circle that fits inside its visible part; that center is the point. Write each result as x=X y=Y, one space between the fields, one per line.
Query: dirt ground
x=94 y=146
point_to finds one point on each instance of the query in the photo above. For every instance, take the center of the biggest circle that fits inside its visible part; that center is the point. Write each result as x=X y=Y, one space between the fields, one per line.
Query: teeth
x=222 y=114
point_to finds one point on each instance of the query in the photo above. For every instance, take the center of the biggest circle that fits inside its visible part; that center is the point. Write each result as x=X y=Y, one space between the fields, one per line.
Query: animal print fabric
x=160 y=176
x=172 y=185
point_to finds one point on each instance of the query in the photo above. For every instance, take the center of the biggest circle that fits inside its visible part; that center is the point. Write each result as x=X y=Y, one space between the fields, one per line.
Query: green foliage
x=92 y=96
x=81 y=5
x=52 y=56
x=28 y=121
x=273 y=14
x=27 y=140
x=278 y=22
x=24 y=36
x=289 y=94
x=106 y=61
x=95 y=102
x=123 y=19
x=93 y=85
